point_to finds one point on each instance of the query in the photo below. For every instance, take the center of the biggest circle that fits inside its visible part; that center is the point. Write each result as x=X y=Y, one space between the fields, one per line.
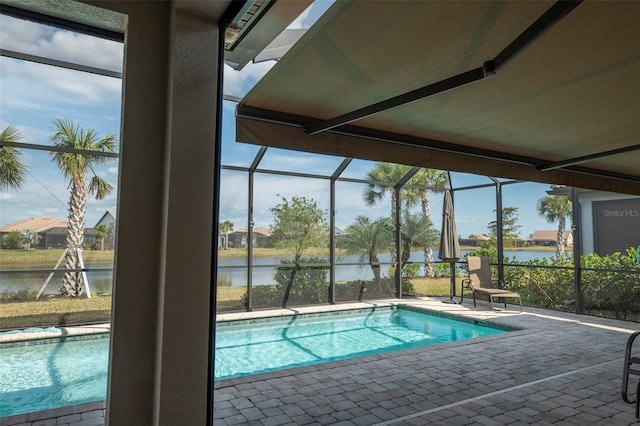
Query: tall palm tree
x=377 y=190
x=367 y=239
x=436 y=181
x=428 y=179
x=75 y=167
x=556 y=208
x=416 y=233
x=12 y=170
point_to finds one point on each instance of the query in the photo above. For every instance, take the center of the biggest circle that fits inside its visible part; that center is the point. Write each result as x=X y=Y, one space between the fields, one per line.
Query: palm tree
x=416 y=233
x=367 y=238
x=426 y=179
x=75 y=167
x=12 y=170
x=556 y=208
x=436 y=181
x=226 y=227
x=377 y=190
x=29 y=238
x=102 y=232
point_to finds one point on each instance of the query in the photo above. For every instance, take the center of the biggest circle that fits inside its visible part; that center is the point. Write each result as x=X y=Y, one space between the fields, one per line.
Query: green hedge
x=610 y=284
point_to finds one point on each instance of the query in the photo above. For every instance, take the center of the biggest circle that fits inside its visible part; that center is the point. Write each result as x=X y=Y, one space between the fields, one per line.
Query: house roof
x=38 y=224
x=110 y=212
x=264 y=231
x=548 y=235
x=541 y=91
x=257 y=230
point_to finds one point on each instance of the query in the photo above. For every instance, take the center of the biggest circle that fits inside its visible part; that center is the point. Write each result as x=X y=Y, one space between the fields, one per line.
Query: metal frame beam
x=59 y=63
x=489 y=68
x=243 y=111
x=65 y=24
x=332 y=226
x=586 y=158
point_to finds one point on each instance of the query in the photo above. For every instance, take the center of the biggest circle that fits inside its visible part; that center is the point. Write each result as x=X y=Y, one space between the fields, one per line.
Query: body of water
x=231 y=272
x=99 y=280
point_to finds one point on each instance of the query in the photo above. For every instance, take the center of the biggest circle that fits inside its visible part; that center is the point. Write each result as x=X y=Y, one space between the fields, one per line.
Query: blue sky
x=32 y=95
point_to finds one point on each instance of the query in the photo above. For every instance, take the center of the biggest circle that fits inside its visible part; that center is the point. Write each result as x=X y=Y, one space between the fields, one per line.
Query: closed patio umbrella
x=449 y=245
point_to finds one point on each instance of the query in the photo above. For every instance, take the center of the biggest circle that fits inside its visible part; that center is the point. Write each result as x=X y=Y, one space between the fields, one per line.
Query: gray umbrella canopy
x=449 y=245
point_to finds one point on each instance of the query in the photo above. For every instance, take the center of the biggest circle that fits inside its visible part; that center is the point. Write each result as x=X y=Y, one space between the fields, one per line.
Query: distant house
x=56 y=237
x=52 y=232
x=474 y=241
x=108 y=219
x=549 y=238
x=238 y=238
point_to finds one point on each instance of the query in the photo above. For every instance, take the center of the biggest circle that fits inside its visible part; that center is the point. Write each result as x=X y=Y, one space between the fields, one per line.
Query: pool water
x=51 y=375
x=275 y=345
x=44 y=376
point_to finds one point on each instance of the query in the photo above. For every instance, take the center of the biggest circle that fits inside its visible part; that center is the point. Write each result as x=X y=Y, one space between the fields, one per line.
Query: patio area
x=560 y=368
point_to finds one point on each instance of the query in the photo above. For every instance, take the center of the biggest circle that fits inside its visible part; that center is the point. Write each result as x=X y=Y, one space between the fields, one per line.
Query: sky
x=32 y=95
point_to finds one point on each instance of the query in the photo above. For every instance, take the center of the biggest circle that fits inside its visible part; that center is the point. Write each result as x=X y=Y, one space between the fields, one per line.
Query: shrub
x=18 y=296
x=611 y=283
x=411 y=270
x=13 y=240
x=310 y=284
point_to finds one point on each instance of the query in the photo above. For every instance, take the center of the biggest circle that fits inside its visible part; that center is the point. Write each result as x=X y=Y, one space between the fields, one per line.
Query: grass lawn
x=54 y=311
x=434 y=286
x=21 y=259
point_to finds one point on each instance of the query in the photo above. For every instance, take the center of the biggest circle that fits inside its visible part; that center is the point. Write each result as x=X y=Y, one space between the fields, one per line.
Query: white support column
x=188 y=220
x=160 y=323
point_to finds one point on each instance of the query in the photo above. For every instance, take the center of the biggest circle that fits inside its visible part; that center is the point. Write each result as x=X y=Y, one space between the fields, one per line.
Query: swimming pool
x=51 y=375
x=302 y=340
x=43 y=376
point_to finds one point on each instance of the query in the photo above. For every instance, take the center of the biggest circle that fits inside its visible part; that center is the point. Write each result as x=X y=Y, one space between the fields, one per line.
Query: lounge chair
x=480 y=283
x=630 y=362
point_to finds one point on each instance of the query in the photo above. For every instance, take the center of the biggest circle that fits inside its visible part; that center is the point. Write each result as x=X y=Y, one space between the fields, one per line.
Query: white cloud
x=29 y=86
x=311 y=14
x=112 y=171
x=301 y=22
x=37 y=39
x=238 y=83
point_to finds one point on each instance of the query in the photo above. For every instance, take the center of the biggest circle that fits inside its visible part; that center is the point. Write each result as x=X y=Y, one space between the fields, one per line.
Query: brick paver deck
x=561 y=369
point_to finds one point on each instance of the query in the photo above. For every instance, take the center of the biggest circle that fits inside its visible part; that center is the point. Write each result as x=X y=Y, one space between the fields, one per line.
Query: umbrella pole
x=452 y=287
x=453 y=280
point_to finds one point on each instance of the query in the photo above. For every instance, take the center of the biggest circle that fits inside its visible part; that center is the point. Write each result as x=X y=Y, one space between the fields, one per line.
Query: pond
x=231 y=272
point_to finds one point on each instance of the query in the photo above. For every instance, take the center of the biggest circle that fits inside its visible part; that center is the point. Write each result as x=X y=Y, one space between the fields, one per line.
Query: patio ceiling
x=414 y=83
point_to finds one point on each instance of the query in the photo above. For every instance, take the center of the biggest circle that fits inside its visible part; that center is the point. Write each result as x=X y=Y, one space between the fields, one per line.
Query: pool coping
x=78 y=332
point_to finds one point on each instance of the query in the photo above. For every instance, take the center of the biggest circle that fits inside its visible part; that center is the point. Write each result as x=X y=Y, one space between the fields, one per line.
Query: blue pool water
x=44 y=376
x=274 y=345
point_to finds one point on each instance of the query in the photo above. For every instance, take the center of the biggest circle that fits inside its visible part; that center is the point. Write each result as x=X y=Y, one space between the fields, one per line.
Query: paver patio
x=561 y=369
